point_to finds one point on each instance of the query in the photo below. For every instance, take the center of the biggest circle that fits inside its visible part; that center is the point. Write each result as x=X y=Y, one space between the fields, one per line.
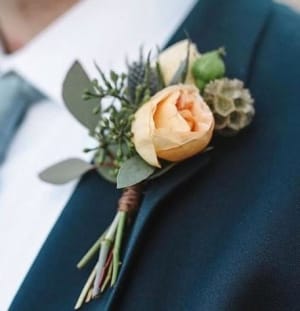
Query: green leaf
x=103 y=77
x=65 y=171
x=133 y=171
x=114 y=76
x=178 y=74
x=182 y=71
x=105 y=172
x=163 y=170
x=160 y=76
x=75 y=83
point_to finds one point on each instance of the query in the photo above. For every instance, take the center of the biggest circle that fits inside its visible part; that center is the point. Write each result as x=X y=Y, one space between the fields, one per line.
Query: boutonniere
x=161 y=111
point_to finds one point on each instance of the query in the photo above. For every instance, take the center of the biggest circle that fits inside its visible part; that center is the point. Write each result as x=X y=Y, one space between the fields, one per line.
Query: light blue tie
x=16 y=96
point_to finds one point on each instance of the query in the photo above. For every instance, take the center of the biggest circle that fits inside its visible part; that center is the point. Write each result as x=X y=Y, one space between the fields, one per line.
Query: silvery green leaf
x=105 y=172
x=133 y=171
x=75 y=83
x=65 y=171
x=163 y=170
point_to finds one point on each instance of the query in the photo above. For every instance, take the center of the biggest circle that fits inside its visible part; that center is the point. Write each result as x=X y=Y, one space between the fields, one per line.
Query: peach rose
x=174 y=125
x=170 y=59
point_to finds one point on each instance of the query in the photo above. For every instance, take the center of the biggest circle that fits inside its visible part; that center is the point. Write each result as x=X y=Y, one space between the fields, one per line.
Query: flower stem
x=90 y=253
x=106 y=244
x=106 y=267
x=104 y=250
x=85 y=289
x=89 y=295
x=117 y=246
x=107 y=278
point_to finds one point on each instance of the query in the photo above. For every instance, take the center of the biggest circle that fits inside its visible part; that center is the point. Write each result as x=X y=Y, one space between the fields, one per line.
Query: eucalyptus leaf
x=65 y=171
x=105 y=172
x=163 y=170
x=75 y=83
x=133 y=171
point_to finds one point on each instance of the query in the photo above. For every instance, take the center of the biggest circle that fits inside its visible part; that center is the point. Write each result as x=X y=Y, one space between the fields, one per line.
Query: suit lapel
x=235 y=25
x=211 y=24
x=154 y=195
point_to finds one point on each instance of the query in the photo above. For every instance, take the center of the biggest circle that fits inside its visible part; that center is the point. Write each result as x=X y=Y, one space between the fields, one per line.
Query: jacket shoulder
x=276 y=61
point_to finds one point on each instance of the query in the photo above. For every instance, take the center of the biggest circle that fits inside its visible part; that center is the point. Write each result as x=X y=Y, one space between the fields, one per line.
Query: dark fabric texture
x=221 y=231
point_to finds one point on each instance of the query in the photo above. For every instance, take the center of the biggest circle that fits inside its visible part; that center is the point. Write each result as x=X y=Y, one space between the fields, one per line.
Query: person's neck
x=22 y=20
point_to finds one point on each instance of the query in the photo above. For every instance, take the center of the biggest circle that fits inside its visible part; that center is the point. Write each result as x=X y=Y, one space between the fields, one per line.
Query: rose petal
x=178 y=146
x=142 y=129
x=167 y=115
x=162 y=126
x=143 y=126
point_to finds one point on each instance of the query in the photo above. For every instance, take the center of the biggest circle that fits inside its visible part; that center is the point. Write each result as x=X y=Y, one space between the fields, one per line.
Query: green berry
x=209 y=66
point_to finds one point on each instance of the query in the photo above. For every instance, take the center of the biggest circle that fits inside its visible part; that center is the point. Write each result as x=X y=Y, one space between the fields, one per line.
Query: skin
x=22 y=20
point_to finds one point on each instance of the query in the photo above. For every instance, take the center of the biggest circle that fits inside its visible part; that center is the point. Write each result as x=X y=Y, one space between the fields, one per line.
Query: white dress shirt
x=103 y=30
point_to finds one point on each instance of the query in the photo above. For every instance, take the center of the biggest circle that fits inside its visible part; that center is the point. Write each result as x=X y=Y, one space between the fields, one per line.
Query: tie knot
x=16 y=97
x=15 y=87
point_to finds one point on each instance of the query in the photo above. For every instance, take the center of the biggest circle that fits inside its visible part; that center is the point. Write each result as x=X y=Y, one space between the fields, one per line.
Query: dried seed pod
x=231 y=104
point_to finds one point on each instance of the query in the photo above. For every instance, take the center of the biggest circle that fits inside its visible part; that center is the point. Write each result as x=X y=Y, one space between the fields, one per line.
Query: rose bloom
x=170 y=59
x=173 y=125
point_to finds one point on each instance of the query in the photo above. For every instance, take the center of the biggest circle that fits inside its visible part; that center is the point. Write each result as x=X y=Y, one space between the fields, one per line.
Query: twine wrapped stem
x=109 y=247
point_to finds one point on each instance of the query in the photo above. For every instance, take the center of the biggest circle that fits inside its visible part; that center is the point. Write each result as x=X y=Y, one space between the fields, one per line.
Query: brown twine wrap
x=130 y=199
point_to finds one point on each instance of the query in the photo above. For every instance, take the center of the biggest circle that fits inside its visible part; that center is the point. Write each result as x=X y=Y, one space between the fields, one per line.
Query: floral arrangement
x=163 y=110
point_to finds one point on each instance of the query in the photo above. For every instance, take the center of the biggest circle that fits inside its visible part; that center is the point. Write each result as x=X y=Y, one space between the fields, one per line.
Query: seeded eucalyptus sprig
x=113 y=131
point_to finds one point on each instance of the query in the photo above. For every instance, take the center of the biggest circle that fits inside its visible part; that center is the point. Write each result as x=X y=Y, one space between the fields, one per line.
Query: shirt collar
x=45 y=60
x=86 y=33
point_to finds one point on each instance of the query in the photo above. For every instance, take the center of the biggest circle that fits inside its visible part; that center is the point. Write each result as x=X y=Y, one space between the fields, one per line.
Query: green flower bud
x=209 y=66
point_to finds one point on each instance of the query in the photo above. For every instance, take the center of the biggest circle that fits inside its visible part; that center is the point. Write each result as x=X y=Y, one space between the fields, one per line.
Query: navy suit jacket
x=220 y=231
